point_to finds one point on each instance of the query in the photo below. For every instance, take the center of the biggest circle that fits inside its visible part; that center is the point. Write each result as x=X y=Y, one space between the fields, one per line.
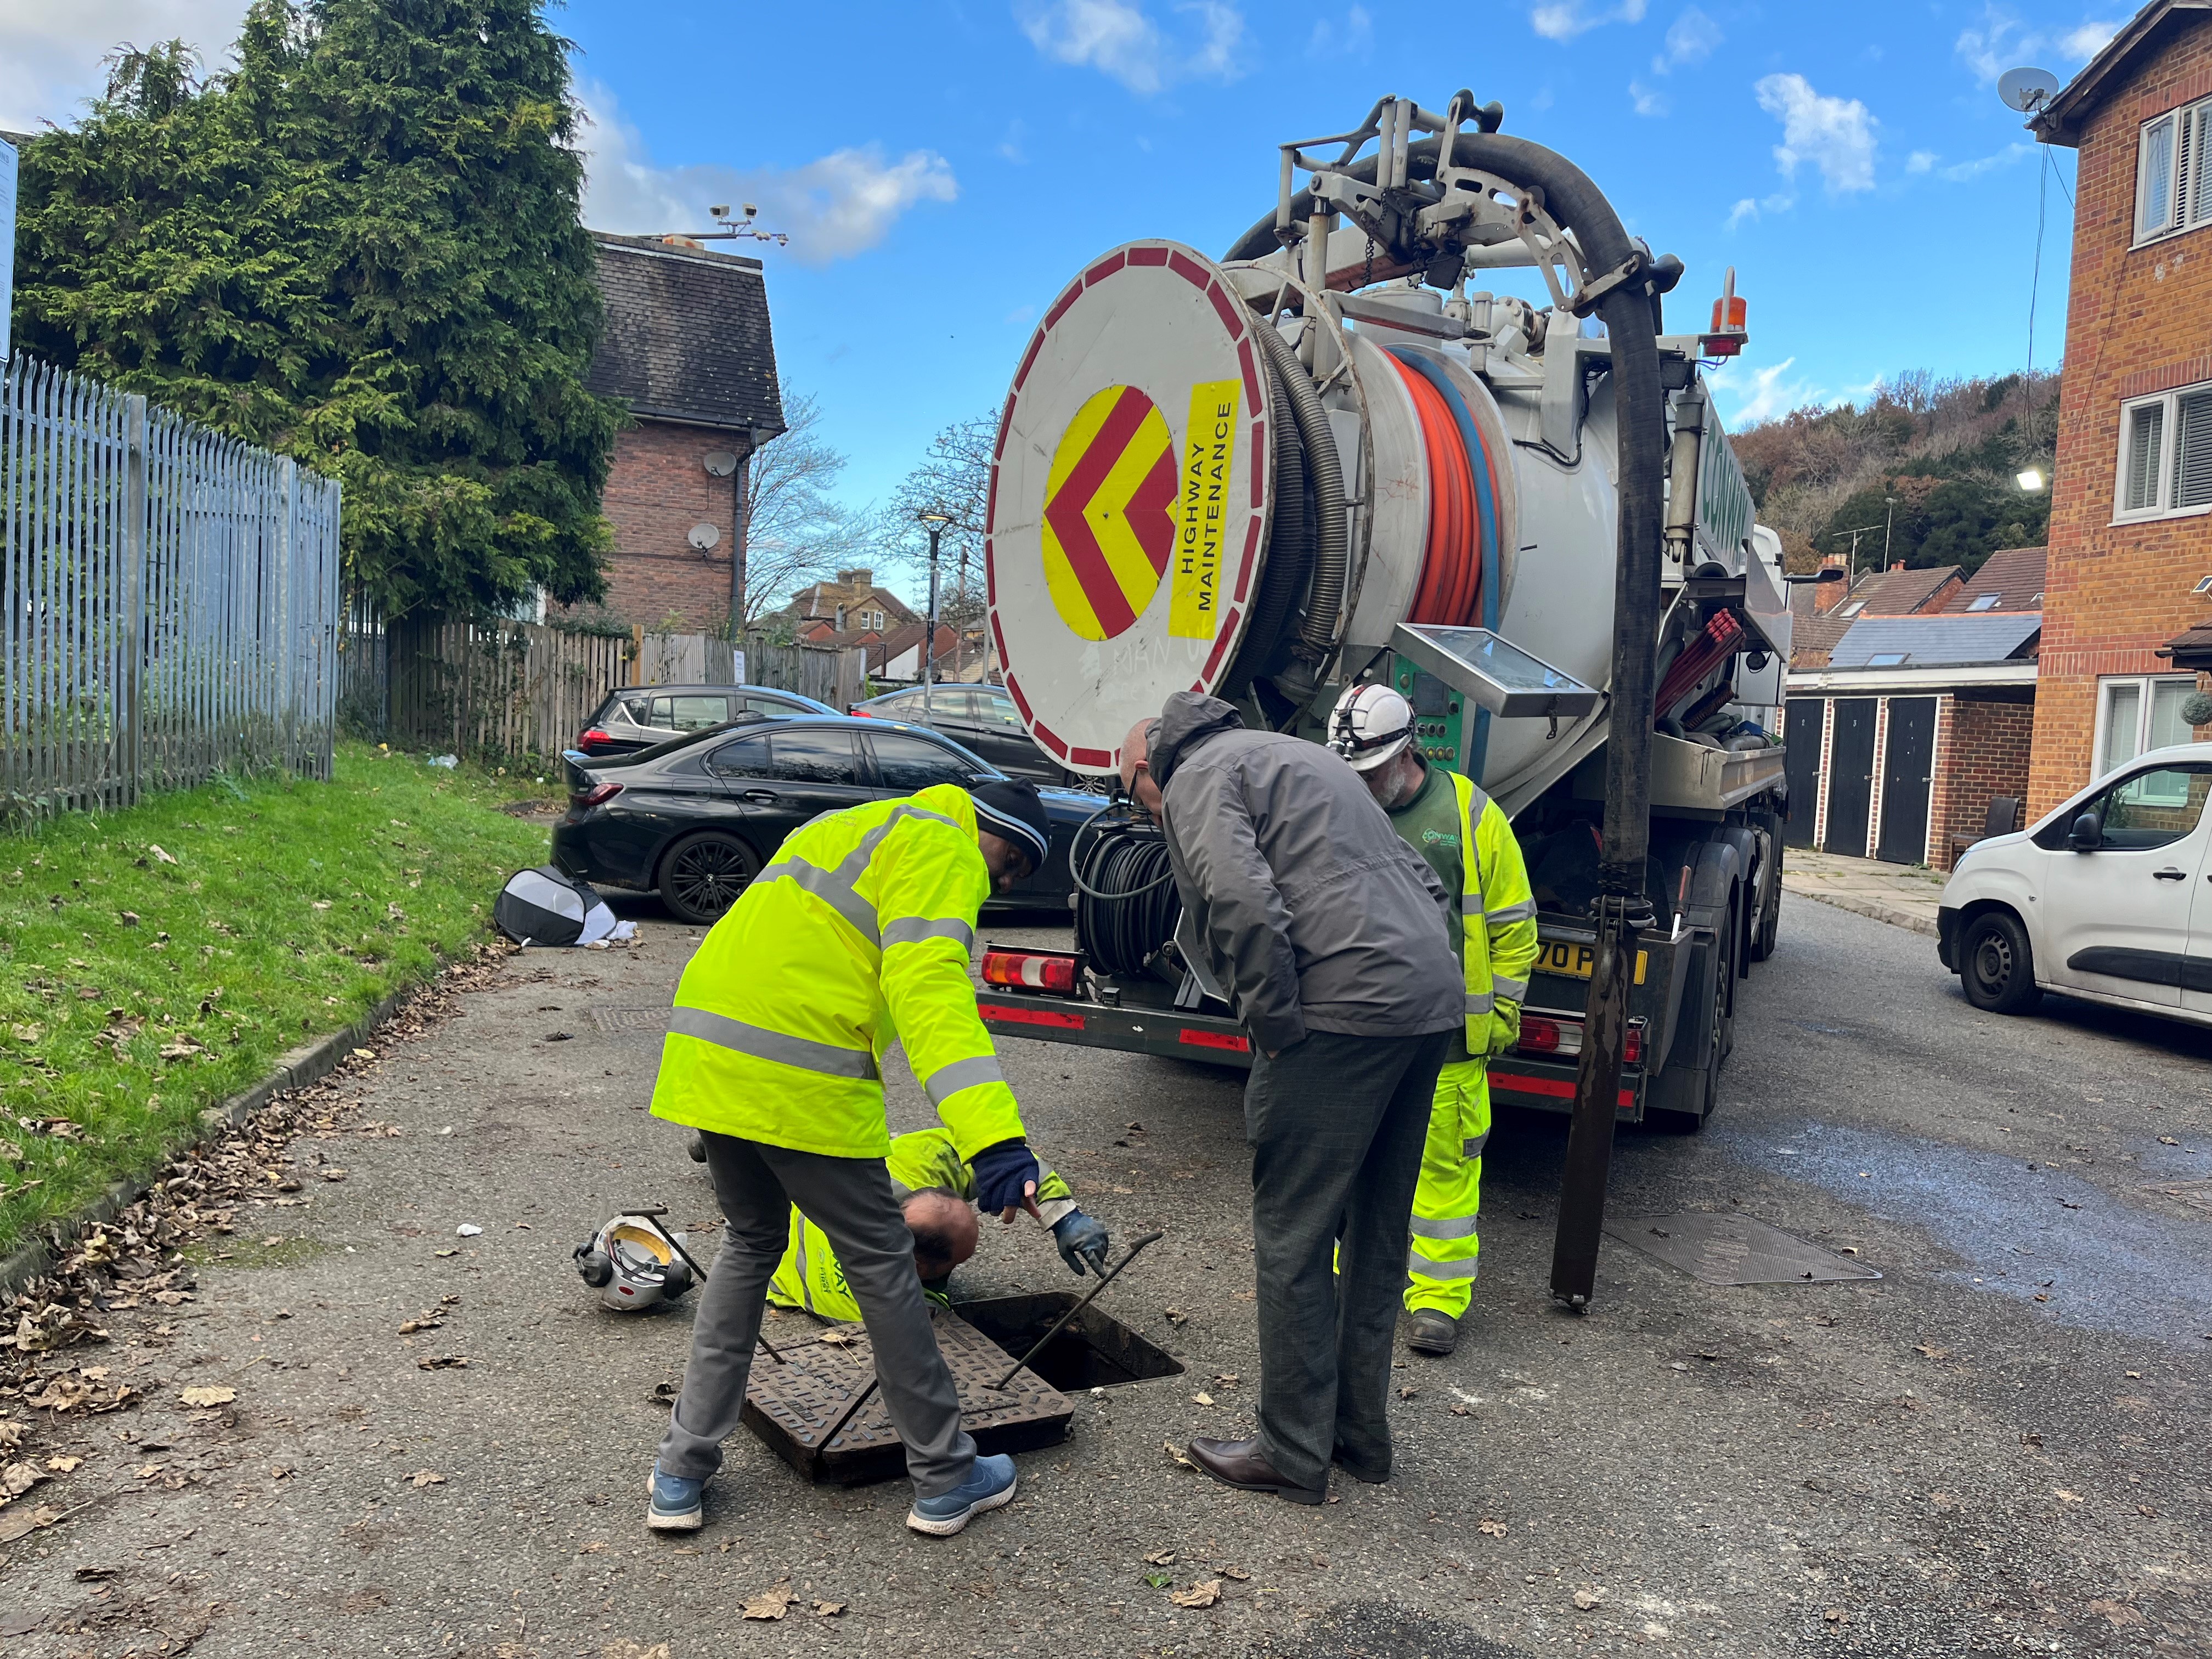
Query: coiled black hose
x=1126 y=903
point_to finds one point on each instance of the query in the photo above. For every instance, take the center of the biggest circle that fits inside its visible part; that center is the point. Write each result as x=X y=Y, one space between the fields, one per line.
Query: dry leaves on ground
x=623 y=1648
x=423 y=1478
x=1235 y=1573
x=1160 y=1558
x=207 y=1396
x=1198 y=1596
x=1586 y=1599
x=1168 y=1447
x=771 y=1603
x=1201 y=1398
x=828 y=1609
x=21 y=1523
x=1490 y=1529
x=442 y=1361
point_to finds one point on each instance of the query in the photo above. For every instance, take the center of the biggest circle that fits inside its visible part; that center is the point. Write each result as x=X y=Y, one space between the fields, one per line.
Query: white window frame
x=2187 y=198
x=2165 y=480
x=2143 y=686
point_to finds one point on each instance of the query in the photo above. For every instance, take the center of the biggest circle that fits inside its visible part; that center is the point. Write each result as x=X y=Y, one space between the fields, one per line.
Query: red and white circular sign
x=1130 y=490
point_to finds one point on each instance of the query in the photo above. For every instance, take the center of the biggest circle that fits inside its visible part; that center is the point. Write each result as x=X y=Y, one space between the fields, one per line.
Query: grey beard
x=1404 y=789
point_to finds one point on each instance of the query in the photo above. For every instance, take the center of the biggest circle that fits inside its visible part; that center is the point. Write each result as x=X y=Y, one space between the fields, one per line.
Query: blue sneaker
x=676 y=1505
x=989 y=1486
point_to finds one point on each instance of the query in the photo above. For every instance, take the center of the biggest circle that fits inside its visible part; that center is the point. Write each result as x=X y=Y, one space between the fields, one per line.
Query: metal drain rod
x=652 y=1214
x=1108 y=1278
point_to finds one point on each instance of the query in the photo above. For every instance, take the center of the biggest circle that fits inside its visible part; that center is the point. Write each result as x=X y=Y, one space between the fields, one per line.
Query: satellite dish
x=704 y=535
x=2028 y=90
x=719 y=463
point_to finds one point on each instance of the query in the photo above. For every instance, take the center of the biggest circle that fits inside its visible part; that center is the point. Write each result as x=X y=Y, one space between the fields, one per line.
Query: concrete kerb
x=1865 y=907
x=309 y=1063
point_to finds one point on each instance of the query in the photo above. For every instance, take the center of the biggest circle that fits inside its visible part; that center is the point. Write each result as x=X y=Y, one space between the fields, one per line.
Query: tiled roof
x=687 y=336
x=2191 y=647
x=2014 y=576
x=1937 y=641
x=1877 y=593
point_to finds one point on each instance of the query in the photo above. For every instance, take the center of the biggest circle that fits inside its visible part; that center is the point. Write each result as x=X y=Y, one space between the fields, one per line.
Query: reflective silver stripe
x=1513 y=990
x=912 y=930
x=799 y=1244
x=1472 y=1147
x=1512 y=913
x=1421 y=1267
x=1478 y=1002
x=836 y=888
x=961 y=1074
x=1457 y=1226
x=1470 y=902
x=801 y=1053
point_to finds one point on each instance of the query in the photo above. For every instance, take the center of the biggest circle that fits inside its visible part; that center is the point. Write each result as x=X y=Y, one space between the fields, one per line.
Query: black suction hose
x=1127 y=905
x=1290 y=552
x=1318 y=631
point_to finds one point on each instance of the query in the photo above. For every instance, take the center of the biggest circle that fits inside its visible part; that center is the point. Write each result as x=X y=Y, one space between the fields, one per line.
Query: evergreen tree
x=361 y=248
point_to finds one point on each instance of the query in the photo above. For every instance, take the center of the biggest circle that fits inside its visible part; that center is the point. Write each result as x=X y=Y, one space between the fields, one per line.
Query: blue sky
x=944 y=168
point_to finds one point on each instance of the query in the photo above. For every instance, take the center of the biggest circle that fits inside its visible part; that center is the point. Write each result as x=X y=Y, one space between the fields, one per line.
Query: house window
x=2137 y=714
x=1985 y=602
x=1886 y=659
x=2166 y=454
x=1852 y=608
x=2173 y=184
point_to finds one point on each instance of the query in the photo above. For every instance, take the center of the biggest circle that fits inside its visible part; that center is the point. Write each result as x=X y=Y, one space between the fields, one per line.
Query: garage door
x=1801 y=737
x=1907 y=764
x=1851 y=776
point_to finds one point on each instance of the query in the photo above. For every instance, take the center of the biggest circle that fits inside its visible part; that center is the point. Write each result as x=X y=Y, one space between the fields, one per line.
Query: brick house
x=687 y=347
x=851 y=611
x=2130 y=573
x=1824 y=612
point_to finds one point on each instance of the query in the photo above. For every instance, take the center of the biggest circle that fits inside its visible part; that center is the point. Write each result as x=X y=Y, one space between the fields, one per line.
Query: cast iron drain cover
x=625 y=1022
x=800 y=1407
x=1733 y=1249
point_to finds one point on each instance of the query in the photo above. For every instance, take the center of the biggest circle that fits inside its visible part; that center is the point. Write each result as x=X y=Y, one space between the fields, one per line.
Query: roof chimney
x=1897 y=564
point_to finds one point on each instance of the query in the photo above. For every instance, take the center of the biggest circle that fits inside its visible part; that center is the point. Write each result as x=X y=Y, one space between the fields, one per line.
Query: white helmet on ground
x=633 y=1265
x=1371 y=725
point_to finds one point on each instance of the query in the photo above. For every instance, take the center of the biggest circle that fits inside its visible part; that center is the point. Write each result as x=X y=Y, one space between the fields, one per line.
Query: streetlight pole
x=936 y=521
x=1888 y=521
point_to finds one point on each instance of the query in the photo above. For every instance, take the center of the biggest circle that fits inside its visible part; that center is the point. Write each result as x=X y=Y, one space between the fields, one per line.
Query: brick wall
x=659 y=488
x=1981 y=750
x=2137 y=321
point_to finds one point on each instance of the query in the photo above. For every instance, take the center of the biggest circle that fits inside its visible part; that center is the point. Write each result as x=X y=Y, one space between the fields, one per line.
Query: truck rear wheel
x=1691 y=1098
x=1766 y=932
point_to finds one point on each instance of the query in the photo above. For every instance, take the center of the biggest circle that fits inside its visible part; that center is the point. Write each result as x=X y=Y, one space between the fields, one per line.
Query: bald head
x=944 y=1227
x=1136 y=768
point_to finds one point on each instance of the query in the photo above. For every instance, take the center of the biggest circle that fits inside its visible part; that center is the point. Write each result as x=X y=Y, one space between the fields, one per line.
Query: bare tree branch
x=796 y=532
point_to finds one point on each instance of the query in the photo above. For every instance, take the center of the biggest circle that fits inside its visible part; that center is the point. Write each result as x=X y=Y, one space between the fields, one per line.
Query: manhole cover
x=1733 y=1249
x=2195 y=1193
x=625 y=1022
x=803 y=1409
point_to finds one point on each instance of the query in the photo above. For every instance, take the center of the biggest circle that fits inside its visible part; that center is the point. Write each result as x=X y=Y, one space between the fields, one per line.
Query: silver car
x=635 y=717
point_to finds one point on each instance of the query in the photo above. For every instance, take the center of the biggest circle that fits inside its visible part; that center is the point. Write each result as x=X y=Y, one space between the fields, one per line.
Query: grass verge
x=155 y=961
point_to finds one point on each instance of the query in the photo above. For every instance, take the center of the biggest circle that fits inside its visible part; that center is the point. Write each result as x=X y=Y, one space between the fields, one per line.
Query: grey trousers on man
x=1337 y=1124
x=850 y=1199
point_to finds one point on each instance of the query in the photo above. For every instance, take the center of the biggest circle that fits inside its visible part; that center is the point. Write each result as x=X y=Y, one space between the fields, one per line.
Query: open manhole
x=1094 y=1351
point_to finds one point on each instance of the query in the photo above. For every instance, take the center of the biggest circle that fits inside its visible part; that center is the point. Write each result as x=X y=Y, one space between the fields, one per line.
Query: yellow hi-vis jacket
x=859 y=935
x=1497 y=915
x=809 y=1277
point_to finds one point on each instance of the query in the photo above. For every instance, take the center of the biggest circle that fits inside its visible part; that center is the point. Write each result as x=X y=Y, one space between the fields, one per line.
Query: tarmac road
x=1998 y=1446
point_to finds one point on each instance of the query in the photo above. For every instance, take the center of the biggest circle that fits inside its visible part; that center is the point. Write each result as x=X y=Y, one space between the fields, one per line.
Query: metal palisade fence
x=170 y=596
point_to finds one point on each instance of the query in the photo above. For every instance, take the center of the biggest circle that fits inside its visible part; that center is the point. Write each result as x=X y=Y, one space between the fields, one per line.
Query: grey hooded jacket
x=1314 y=911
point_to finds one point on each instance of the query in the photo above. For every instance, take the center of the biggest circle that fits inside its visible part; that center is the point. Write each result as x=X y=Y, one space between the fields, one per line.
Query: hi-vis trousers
x=1445 y=1254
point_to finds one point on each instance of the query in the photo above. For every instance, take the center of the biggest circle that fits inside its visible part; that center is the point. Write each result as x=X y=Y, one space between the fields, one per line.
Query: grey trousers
x=850 y=1199
x=1337 y=1124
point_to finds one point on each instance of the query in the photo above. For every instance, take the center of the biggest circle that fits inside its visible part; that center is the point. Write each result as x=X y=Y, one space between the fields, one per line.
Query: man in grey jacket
x=1331 y=935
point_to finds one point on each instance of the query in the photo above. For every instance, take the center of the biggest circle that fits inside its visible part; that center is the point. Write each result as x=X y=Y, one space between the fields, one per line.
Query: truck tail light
x=1559 y=1037
x=1030 y=970
x=596 y=793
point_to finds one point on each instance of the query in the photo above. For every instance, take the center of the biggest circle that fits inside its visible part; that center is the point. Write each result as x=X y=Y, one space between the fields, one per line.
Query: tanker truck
x=1334 y=455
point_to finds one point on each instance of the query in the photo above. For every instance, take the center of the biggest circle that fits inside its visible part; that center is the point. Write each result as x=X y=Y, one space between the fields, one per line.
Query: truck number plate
x=1578 y=961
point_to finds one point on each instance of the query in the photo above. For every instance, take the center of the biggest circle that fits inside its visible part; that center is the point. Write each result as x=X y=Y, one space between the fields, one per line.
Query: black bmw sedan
x=695 y=819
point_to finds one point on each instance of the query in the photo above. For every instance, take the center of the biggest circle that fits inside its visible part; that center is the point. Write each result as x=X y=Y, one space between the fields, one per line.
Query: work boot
x=676 y=1505
x=989 y=1484
x=698 y=1147
x=1435 y=1332
x=1243 y=1465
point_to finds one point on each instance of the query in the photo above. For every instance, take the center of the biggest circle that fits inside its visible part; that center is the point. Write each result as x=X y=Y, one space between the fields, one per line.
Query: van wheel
x=1997 y=964
x=703 y=874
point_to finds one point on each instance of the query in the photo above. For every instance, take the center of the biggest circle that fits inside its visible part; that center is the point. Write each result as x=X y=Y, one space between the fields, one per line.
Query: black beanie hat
x=1009 y=808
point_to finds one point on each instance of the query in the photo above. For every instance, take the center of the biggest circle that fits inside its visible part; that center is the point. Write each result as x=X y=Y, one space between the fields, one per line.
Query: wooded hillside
x=1946 y=453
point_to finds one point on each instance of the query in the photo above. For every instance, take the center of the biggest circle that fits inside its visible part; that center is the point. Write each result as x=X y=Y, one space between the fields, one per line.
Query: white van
x=2108 y=898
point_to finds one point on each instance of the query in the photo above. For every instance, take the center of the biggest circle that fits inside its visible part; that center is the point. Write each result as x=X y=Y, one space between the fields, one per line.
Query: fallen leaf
x=427 y=1323
x=1198 y=1596
x=1586 y=1599
x=444 y=1252
x=828 y=1609
x=771 y=1603
x=1491 y=1529
x=836 y=1337
x=1168 y=1447
x=2168 y=1140
x=333 y=1175
x=63 y=1465
x=443 y=1362
x=17 y=1522
x=164 y=857
x=1158 y=1580
x=623 y=1648
x=1174 y=1315
x=96 y=1575
x=1931 y=1350
x=423 y=1478
x=1461 y=1411
x=210 y=1396
x=2065 y=1497
x=1201 y=1398
x=593 y=1547
x=1408 y=1392
x=1236 y=1573
x=1160 y=1558
x=17 y=1479
x=1225 y=1380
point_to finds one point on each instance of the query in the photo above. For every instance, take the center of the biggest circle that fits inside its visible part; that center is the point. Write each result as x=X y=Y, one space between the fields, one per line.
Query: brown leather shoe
x=1242 y=1464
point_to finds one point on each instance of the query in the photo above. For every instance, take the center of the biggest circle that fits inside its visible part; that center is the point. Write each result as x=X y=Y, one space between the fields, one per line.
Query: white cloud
x=1690 y=40
x=843 y=204
x=1646 y=102
x=50 y=53
x=1118 y=38
x=1965 y=171
x=1562 y=20
x=1750 y=208
x=1835 y=134
x=1920 y=161
x=1353 y=39
x=2000 y=42
x=1760 y=394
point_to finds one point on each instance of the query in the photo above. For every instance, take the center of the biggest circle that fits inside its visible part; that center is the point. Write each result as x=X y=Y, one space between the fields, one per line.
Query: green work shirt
x=1430 y=824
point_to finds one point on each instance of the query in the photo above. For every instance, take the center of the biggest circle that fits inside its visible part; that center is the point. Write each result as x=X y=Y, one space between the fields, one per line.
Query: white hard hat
x=1369 y=726
x=634 y=1265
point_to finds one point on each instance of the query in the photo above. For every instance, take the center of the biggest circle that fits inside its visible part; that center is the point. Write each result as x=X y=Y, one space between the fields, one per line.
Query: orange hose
x=1451 y=569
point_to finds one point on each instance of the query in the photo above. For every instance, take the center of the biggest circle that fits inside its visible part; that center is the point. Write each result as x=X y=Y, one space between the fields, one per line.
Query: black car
x=981 y=718
x=696 y=817
x=635 y=717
